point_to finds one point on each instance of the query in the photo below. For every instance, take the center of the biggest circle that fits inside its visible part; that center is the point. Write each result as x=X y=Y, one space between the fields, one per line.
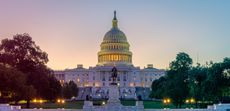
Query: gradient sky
x=71 y=31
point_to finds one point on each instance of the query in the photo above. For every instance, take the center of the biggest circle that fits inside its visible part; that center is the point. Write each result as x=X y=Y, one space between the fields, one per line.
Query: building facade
x=114 y=52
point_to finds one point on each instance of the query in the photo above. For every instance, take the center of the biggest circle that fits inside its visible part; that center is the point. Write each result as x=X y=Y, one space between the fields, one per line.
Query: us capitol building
x=114 y=52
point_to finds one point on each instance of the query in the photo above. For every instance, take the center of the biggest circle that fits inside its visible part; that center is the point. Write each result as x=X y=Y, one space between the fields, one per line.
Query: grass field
x=156 y=105
x=79 y=104
x=128 y=103
x=49 y=105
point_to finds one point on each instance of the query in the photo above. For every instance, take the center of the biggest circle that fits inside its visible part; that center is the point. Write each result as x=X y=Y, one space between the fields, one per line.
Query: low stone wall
x=7 y=107
x=88 y=106
x=180 y=110
x=221 y=107
x=215 y=107
x=51 y=110
x=138 y=107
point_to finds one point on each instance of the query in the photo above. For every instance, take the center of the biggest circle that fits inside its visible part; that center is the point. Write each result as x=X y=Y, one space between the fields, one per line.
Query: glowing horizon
x=71 y=31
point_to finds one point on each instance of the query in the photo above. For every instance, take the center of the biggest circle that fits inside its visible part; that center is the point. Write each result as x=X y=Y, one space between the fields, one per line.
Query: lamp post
x=38 y=101
x=103 y=103
x=190 y=102
x=60 y=101
x=166 y=101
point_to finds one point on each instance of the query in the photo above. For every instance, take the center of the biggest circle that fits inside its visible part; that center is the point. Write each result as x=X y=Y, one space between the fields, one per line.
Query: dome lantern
x=115 y=20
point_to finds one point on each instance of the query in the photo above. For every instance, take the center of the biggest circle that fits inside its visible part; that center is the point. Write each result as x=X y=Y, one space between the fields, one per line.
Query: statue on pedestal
x=114 y=76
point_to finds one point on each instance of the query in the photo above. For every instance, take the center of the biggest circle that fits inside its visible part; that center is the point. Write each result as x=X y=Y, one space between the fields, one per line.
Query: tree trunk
x=196 y=104
x=16 y=102
x=180 y=103
x=28 y=103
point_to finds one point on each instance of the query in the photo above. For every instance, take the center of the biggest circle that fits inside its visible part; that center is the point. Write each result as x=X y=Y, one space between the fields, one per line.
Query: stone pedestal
x=113 y=94
x=5 y=107
x=113 y=103
x=139 y=106
x=88 y=106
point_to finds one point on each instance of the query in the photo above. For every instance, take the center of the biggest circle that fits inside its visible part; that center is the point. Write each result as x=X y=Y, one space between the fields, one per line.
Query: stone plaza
x=215 y=107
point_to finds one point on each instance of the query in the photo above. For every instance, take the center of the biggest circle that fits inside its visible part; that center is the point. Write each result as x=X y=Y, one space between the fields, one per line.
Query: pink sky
x=71 y=31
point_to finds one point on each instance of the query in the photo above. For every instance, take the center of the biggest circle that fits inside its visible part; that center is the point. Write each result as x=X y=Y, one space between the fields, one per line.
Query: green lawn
x=128 y=103
x=49 y=105
x=147 y=104
x=156 y=105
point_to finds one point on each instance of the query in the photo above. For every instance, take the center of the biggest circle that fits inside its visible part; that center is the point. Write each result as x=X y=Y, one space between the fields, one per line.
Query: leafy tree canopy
x=22 y=54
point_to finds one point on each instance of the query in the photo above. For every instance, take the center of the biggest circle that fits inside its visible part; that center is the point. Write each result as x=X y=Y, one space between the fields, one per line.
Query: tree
x=70 y=90
x=54 y=88
x=13 y=84
x=197 y=76
x=182 y=63
x=177 y=84
x=23 y=54
x=218 y=82
x=30 y=92
x=204 y=83
x=158 y=88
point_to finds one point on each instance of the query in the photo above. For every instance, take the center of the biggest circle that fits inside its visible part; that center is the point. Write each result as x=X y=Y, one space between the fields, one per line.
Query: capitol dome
x=114 y=47
x=114 y=36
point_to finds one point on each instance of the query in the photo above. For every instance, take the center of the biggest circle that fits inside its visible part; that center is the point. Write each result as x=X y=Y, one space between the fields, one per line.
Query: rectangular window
x=124 y=79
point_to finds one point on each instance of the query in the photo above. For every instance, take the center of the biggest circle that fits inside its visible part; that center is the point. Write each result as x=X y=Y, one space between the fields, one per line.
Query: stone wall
x=218 y=107
x=180 y=110
x=215 y=107
x=51 y=110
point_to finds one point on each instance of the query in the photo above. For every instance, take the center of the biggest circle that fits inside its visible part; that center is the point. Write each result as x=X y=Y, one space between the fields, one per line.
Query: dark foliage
x=22 y=54
x=204 y=83
x=70 y=90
